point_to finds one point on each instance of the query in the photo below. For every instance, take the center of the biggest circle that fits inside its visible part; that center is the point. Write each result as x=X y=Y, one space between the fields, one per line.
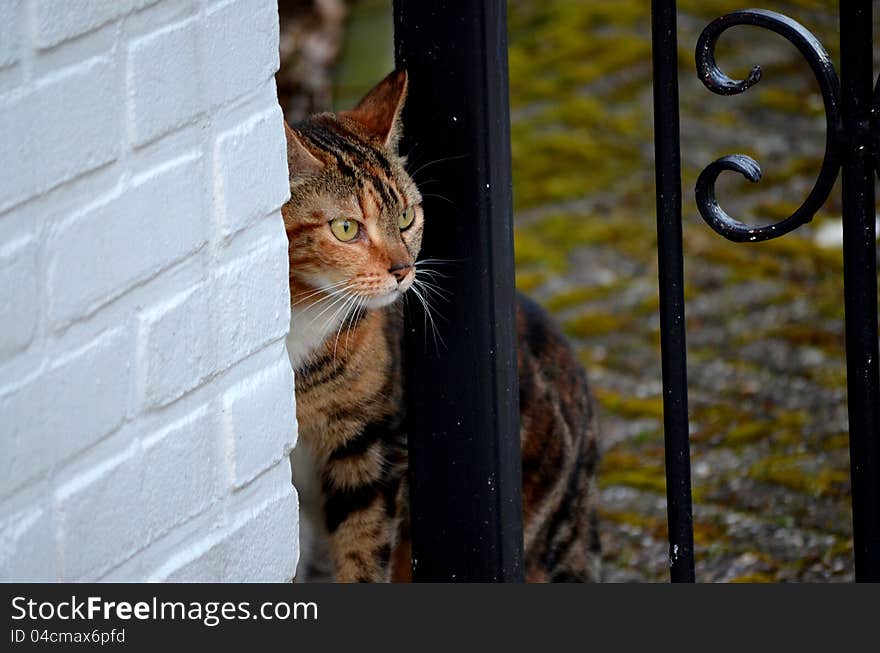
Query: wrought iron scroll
x=717 y=82
x=852 y=144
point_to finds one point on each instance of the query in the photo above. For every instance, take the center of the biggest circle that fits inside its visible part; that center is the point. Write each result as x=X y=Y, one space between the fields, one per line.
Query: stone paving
x=765 y=321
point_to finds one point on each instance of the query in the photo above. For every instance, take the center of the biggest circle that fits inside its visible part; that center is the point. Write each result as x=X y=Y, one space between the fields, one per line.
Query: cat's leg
x=361 y=493
x=363 y=532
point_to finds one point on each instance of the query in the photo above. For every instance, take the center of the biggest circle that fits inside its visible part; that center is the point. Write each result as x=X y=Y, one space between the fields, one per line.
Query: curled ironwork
x=717 y=82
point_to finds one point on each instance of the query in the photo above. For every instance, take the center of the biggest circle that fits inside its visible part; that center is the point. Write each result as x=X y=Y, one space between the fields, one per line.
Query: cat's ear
x=300 y=162
x=379 y=111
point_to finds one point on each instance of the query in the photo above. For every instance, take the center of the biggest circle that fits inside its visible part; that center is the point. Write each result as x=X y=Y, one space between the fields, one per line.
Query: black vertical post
x=671 y=264
x=464 y=445
x=860 y=283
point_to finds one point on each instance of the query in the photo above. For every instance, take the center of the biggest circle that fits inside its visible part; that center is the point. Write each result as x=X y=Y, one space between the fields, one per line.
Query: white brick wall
x=146 y=398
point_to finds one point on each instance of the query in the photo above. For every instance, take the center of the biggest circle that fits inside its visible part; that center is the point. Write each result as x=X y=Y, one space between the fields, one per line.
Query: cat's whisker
x=429 y=318
x=345 y=311
x=431 y=293
x=436 y=161
x=330 y=297
x=353 y=317
x=424 y=314
x=324 y=287
x=440 y=261
x=441 y=197
x=317 y=291
x=356 y=316
x=432 y=273
x=343 y=298
x=433 y=287
x=436 y=314
x=327 y=297
x=336 y=301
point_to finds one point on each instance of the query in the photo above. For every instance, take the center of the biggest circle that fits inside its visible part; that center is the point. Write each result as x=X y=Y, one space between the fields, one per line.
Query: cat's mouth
x=391 y=295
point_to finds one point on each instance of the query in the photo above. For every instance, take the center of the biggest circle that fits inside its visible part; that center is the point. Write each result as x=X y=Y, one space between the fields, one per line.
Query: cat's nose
x=400 y=271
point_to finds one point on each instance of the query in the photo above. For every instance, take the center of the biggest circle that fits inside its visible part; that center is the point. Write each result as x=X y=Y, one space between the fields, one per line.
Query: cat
x=354 y=224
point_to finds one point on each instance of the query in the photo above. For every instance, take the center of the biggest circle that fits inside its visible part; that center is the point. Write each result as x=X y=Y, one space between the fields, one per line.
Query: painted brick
x=251 y=307
x=184 y=456
x=59 y=130
x=111 y=491
x=71 y=406
x=164 y=82
x=27 y=551
x=159 y=220
x=19 y=300
x=260 y=424
x=251 y=171
x=145 y=395
x=240 y=39
x=249 y=552
x=127 y=492
x=10 y=31
x=175 y=347
x=61 y=20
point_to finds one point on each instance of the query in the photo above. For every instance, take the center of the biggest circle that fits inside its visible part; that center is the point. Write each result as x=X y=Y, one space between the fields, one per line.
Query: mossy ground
x=765 y=321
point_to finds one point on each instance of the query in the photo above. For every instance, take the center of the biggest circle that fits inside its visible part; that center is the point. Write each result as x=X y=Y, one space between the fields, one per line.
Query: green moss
x=629 y=406
x=578 y=296
x=642 y=470
x=654 y=526
x=836 y=442
x=530 y=250
x=710 y=420
x=640 y=479
x=650 y=436
x=593 y=324
x=529 y=280
x=811 y=335
x=731 y=426
x=787 y=100
x=774 y=211
x=567 y=162
x=787 y=471
x=755 y=577
x=828 y=376
x=800 y=165
x=746 y=432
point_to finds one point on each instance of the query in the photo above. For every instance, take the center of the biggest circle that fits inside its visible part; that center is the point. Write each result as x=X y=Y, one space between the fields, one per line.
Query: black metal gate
x=463 y=400
x=853 y=134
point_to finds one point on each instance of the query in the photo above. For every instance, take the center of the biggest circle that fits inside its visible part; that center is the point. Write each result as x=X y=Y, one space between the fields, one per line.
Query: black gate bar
x=463 y=411
x=671 y=271
x=860 y=281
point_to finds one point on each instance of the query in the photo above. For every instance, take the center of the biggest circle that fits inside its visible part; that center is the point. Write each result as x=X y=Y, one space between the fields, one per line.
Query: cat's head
x=354 y=220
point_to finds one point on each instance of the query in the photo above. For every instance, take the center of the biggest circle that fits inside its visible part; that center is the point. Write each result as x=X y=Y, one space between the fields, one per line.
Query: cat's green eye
x=344 y=230
x=406 y=218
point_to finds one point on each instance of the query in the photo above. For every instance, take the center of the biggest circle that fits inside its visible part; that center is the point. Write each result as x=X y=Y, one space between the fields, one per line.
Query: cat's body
x=354 y=223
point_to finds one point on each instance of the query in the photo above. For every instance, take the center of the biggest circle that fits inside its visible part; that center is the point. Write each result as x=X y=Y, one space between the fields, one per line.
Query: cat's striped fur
x=345 y=346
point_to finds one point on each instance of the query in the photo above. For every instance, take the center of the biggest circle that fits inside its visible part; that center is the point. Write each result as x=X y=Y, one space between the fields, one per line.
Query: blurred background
x=765 y=322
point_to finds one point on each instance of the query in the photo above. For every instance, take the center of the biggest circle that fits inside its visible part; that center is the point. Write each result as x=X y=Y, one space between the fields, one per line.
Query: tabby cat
x=354 y=224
